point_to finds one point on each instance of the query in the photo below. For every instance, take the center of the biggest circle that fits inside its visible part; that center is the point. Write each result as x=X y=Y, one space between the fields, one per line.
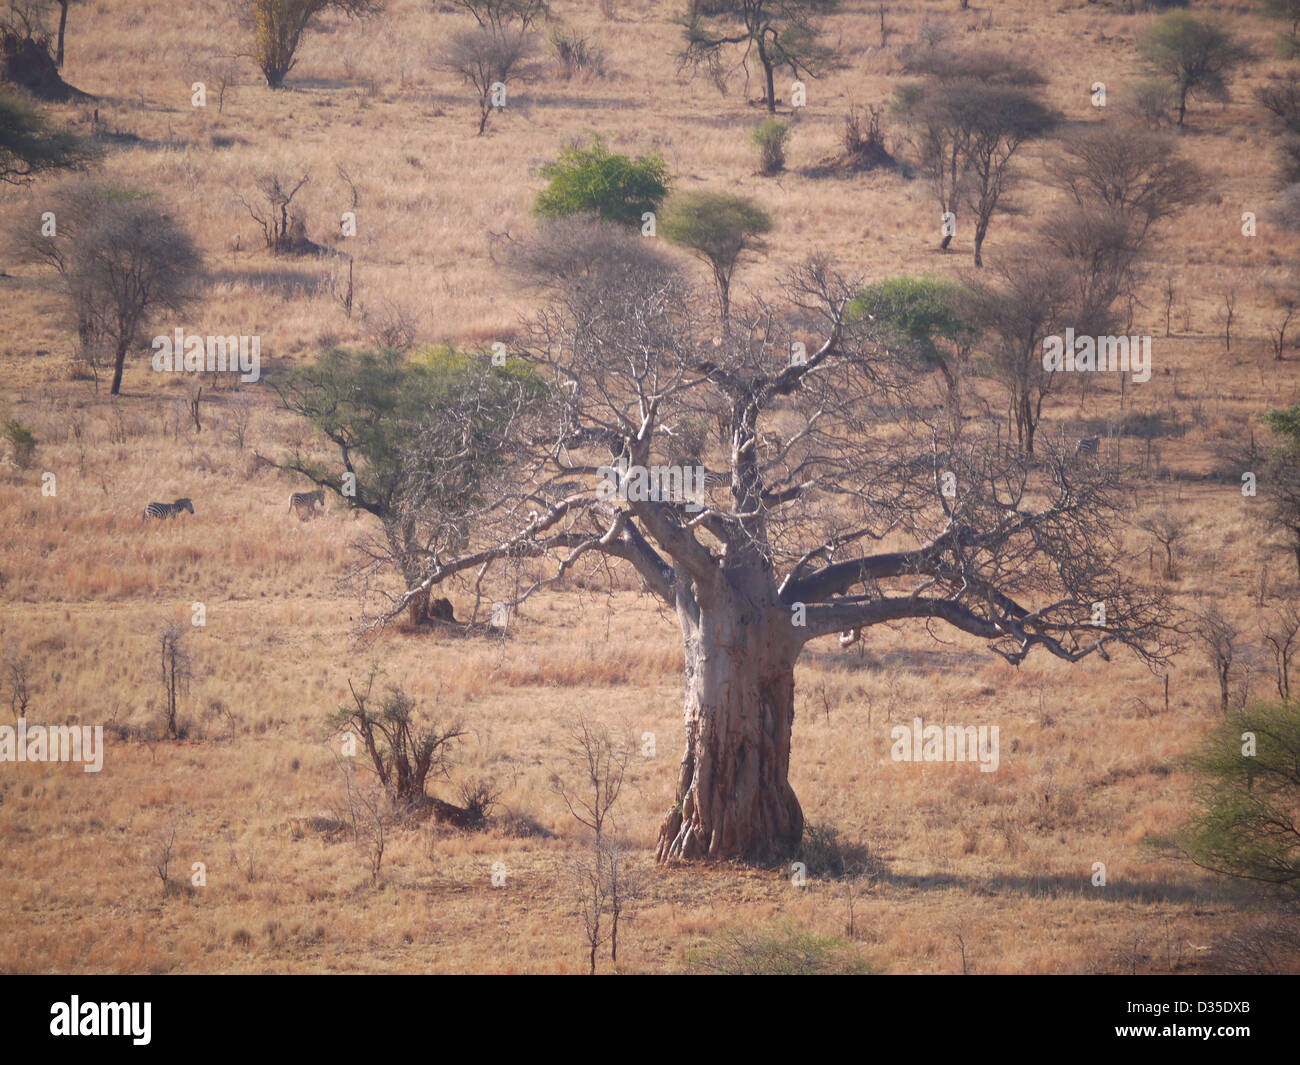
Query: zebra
x=166 y=510
x=1087 y=446
x=305 y=502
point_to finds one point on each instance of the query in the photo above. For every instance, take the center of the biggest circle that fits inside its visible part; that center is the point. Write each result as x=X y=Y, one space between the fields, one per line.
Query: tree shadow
x=287 y=284
x=1057 y=886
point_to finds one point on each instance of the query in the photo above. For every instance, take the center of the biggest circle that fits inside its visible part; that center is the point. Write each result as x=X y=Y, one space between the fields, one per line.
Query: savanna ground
x=997 y=865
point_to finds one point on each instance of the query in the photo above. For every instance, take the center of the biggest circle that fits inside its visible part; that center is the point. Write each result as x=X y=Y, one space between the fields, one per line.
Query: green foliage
x=278 y=26
x=29 y=146
x=21 y=438
x=718 y=227
x=596 y=180
x=771 y=138
x=1286 y=423
x=781 y=951
x=1246 y=824
x=780 y=34
x=421 y=437
x=915 y=315
x=1191 y=56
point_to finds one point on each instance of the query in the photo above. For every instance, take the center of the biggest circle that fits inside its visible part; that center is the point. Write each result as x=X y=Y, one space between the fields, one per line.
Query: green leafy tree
x=1193 y=57
x=1281 y=475
x=417 y=440
x=278 y=27
x=781 y=34
x=925 y=320
x=1289 y=12
x=30 y=146
x=595 y=180
x=719 y=227
x=770 y=138
x=1249 y=793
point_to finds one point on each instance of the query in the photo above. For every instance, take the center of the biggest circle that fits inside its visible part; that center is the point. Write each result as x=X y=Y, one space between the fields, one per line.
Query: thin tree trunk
x=769 y=75
x=63 y=25
x=734 y=799
x=118 y=365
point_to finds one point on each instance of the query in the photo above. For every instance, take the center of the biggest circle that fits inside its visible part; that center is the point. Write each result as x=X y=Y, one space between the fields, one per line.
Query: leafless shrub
x=176 y=674
x=160 y=852
x=1280 y=629
x=1268 y=943
x=490 y=59
x=283 y=230
x=601 y=877
x=575 y=55
x=1218 y=637
x=390 y=325
x=17 y=672
x=1168 y=531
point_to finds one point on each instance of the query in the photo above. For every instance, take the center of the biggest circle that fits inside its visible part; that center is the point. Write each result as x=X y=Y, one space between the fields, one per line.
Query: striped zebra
x=1087 y=446
x=166 y=510
x=305 y=502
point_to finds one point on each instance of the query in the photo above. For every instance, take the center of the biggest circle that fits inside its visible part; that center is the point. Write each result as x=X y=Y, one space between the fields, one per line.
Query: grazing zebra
x=305 y=502
x=1087 y=446
x=167 y=510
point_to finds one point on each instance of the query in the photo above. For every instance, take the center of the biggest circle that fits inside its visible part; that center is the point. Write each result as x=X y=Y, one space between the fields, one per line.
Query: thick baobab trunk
x=734 y=798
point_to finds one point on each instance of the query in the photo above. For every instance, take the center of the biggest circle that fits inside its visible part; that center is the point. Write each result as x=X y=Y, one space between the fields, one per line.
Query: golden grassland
x=1091 y=764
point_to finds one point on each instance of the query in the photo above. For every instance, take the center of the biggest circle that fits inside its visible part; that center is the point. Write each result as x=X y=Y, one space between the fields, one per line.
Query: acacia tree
x=1282 y=476
x=924 y=318
x=1126 y=169
x=122 y=259
x=1031 y=296
x=1191 y=56
x=719 y=227
x=488 y=58
x=969 y=116
x=780 y=33
x=786 y=543
x=278 y=26
x=371 y=407
x=30 y=146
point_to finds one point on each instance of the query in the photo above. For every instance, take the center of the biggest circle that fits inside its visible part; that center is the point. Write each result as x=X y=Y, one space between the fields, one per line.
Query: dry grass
x=1091 y=761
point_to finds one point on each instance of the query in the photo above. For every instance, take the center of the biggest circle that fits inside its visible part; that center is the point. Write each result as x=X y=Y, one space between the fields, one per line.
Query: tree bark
x=769 y=76
x=119 y=364
x=734 y=799
x=63 y=25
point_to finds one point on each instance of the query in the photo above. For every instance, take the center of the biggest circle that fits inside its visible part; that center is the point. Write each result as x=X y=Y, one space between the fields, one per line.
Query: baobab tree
x=829 y=503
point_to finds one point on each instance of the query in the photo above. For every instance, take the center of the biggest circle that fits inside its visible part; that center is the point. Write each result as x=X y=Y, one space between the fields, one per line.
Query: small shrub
x=519 y=825
x=1152 y=100
x=1249 y=769
x=478 y=799
x=596 y=180
x=771 y=138
x=576 y=56
x=22 y=439
x=781 y=951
